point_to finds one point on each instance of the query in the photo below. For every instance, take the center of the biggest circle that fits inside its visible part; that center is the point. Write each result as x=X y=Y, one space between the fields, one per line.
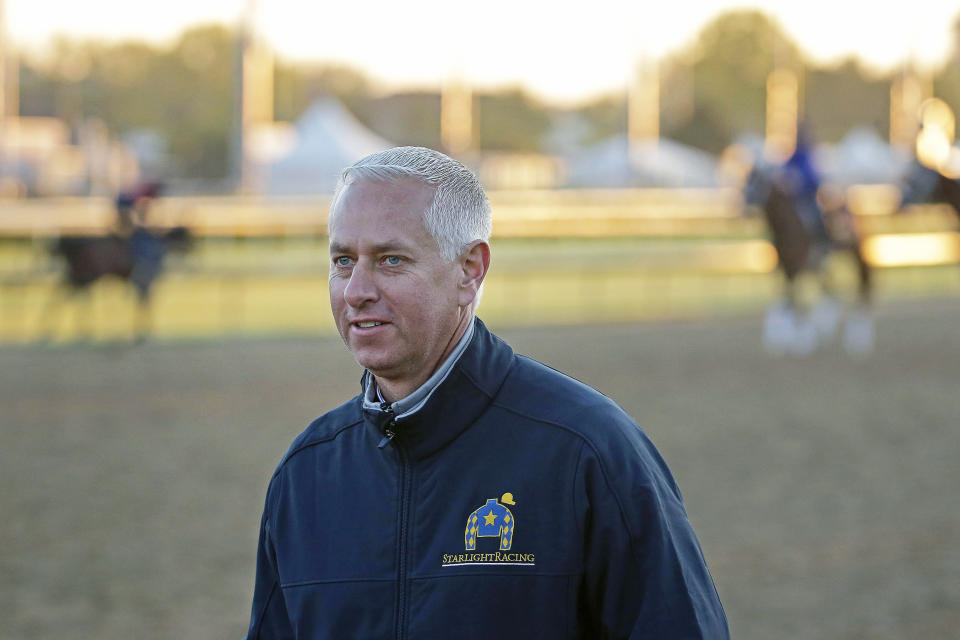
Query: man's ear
x=474 y=263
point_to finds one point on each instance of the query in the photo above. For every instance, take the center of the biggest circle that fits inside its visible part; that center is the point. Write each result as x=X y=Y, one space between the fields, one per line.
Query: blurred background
x=165 y=331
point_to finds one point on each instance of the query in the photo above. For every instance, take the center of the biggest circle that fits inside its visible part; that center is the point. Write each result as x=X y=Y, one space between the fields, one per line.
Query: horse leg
x=803 y=335
x=83 y=314
x=786 y=329
x=142 y=276
x=142 y=317
x=865 y=277
x=142 y=320
x=859 y=333
x=776 y=320
x=66 y=298
x=790 y=291
x=52 y=310
x=825 y=314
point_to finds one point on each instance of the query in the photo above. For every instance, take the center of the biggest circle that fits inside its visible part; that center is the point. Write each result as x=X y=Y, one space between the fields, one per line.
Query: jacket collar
x=413 y=402
x=455 y=403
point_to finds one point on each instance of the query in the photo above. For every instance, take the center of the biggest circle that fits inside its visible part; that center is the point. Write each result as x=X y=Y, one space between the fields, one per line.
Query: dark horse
x=923 y=184
x=137 y=258
x=802 y=249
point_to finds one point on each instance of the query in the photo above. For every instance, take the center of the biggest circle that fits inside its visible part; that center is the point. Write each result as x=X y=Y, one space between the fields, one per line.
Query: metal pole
x=3 y=95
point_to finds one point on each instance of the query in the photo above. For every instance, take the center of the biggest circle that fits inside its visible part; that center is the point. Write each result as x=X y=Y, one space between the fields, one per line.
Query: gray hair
x=459 y=213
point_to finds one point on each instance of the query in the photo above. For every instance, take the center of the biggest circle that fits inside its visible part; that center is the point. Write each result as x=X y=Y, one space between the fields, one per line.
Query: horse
x=803 y=248
x=923 y=184
x=137 y=259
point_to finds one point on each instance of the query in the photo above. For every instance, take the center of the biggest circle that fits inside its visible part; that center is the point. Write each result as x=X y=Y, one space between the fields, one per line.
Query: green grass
x=264 y=286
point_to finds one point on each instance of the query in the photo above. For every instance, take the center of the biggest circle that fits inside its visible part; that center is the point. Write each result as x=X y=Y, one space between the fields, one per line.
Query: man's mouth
x=367 y=325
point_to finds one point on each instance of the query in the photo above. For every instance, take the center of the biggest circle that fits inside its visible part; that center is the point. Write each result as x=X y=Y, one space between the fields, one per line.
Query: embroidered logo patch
x=492 y=520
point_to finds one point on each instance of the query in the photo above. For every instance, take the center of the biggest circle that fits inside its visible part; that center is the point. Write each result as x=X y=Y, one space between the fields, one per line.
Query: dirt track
x=823 y=490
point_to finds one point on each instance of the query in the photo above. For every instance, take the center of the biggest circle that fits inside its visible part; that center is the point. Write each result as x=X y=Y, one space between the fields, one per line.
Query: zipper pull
x=388 y=429
x=388 y=437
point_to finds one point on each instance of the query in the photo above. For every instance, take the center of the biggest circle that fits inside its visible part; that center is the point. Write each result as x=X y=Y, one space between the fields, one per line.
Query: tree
x=510 y=120
x=183 y=92
x=607 y=116
x=730 y=62
x=296 y=87
x=712 y=91
x=839 y=98
x=405 y=118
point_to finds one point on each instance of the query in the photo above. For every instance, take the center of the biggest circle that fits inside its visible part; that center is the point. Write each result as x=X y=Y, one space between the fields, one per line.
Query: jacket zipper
x=400 y=614
x=388 y=430
x=405 y=482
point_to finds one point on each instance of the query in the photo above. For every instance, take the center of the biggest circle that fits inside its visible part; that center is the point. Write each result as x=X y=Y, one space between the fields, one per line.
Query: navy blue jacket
x=517 y=503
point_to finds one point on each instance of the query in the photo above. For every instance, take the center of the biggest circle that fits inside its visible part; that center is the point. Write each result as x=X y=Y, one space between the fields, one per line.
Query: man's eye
x=342 y=261
x=394 y=260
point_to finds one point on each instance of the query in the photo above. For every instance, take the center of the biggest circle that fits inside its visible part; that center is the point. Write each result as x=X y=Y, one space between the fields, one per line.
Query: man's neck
x=391 y=393
x=394 y=390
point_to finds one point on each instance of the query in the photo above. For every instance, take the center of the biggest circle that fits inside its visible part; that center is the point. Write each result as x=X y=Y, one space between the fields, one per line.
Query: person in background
x=803 y=182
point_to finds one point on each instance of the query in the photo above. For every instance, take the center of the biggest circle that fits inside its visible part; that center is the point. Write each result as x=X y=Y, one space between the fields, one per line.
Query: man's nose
x=361 y=287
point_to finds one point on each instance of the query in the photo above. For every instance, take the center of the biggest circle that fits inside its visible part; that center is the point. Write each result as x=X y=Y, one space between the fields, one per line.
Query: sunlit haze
x=562 y=51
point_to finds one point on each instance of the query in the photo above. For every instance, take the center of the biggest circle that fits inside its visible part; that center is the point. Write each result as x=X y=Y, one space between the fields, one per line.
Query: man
x=467 y=492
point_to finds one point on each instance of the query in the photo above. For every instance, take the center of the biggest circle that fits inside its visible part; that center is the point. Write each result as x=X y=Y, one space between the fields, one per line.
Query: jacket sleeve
x=268 y=615
x=645 y=575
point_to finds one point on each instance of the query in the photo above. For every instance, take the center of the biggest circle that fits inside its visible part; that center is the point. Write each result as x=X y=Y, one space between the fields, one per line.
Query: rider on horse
x=803 y=182
x=146 y=247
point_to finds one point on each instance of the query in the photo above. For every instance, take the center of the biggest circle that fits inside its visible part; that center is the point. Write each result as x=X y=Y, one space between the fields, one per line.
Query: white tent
x=328 y=138
x=656 y=163
x=863 y=157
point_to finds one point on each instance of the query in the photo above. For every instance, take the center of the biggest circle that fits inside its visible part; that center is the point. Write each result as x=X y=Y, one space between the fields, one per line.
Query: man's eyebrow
x=383 y=247
x=392 y=245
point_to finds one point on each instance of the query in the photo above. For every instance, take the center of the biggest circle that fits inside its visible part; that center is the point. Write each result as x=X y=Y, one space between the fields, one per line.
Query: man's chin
x=377 y=363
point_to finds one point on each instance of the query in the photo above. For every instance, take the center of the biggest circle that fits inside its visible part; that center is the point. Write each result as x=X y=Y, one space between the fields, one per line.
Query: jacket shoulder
x=325 y=428
x=543 y=393
x=610 y=435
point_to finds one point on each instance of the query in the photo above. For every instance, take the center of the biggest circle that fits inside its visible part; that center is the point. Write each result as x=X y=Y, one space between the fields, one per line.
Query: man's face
x=395 y=299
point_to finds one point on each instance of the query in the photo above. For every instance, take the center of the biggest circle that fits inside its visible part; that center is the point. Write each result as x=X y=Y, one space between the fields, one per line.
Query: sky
x=563 y=51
